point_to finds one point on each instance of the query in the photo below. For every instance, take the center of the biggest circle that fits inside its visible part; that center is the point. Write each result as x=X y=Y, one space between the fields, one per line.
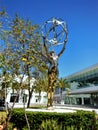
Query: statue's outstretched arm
x=64 y=46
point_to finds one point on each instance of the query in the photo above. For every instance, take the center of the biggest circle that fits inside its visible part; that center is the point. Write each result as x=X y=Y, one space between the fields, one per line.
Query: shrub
x=79 y=120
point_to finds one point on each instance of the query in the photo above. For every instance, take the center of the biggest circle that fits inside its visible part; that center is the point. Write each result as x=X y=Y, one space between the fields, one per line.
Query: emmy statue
x=55 y=37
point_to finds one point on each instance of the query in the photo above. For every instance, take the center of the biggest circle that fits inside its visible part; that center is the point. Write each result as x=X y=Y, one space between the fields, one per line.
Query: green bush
x=80 y=120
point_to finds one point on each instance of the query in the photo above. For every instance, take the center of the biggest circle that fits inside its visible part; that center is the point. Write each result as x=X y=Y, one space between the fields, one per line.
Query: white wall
x=34 y=98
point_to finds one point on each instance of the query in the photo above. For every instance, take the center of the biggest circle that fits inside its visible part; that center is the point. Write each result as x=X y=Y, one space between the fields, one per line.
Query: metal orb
x=54 y=31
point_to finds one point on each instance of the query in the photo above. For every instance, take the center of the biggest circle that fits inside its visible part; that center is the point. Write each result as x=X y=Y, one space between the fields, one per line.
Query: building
x=84 y=87
x=88 y=75
x=83 y=90
x=22 y=95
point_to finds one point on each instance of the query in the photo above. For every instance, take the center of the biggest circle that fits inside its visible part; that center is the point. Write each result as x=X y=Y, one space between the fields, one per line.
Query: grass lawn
x=2 y=116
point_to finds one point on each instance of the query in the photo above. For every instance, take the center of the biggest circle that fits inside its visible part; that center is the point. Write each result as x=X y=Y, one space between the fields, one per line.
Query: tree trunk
x=26 y=115
x=61 y=94
x=39 y=98
x=30 y=95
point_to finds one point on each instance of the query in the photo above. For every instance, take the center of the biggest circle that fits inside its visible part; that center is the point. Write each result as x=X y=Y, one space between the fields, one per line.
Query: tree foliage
x=22 y=52
x=62 y=83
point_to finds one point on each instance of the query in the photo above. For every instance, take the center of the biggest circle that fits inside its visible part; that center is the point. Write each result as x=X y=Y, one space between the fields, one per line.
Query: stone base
x=50 y=108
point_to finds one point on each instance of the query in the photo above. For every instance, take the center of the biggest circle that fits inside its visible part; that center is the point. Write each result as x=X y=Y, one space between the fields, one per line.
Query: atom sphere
x=54 y=31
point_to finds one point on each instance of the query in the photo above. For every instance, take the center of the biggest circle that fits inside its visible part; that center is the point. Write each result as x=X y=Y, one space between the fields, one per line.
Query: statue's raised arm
x=64 y=44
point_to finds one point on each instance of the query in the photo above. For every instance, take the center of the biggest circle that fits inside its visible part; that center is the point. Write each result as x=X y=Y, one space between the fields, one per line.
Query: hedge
x=80 y=120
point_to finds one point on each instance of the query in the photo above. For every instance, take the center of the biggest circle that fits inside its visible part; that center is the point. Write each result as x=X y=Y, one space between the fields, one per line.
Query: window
x=2 y=102
x=25 y=98
x=13 y=96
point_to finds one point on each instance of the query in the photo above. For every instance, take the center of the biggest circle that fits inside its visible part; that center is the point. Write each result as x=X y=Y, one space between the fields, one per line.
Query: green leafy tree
x=24 y=49
x=41 y=85
x=62 y=83
x=24 y=42
x=22 y=45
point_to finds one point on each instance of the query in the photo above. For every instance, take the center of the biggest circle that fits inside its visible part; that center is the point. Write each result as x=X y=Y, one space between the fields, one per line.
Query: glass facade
x=86 y=78
x=87 y=91
x=87 y=75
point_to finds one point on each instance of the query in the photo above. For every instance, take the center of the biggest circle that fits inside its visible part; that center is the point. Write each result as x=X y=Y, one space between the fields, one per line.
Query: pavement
x=64 y=109
x=58 y=110
x=75 y=108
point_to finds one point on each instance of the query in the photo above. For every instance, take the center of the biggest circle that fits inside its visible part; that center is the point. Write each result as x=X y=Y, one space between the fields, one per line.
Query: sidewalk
x=75 y=108
x=53 y=110
x=64 y=109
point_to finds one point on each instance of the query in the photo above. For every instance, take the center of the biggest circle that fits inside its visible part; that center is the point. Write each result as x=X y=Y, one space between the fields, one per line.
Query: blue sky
x=81 y=17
